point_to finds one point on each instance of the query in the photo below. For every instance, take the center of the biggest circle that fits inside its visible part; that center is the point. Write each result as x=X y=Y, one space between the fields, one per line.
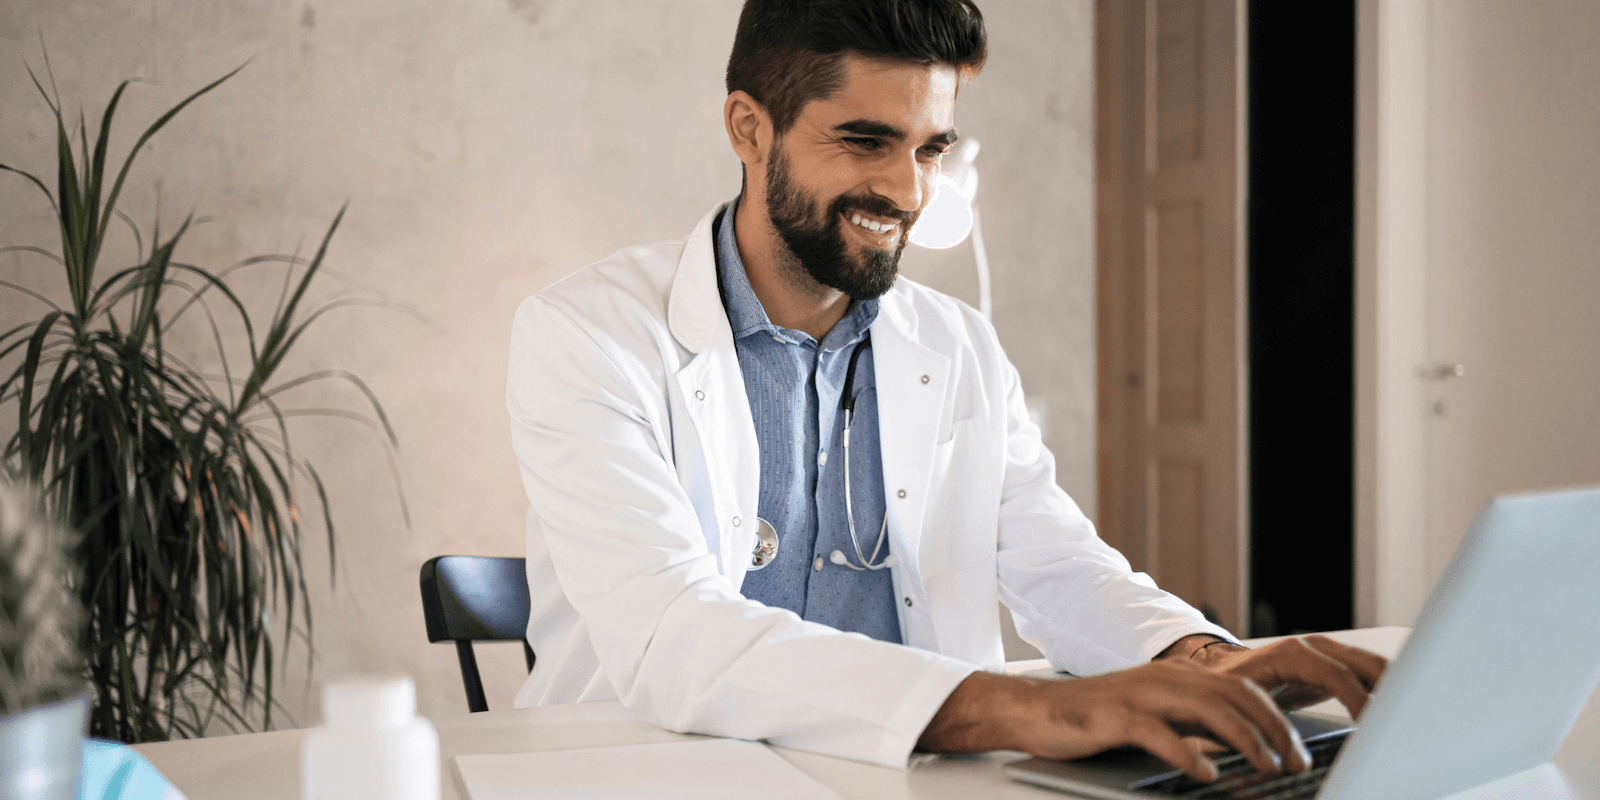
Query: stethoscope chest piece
x=766 y=545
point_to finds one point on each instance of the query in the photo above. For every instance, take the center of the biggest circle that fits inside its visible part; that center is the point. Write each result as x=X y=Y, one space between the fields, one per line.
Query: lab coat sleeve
x=1072 y=595
x=677 y=642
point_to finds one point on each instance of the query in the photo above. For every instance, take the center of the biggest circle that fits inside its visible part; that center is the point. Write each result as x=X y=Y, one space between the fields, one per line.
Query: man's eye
x=864 y=142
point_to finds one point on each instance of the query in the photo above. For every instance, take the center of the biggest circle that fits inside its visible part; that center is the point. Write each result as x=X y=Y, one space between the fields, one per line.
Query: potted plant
x=182 y=482
x=42 y=694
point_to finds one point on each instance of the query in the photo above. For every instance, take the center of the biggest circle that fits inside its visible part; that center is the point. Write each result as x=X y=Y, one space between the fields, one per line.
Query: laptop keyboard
x=1240 y=781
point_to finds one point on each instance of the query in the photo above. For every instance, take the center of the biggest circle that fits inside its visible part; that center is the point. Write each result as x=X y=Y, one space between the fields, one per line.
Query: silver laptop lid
x=1504 y=655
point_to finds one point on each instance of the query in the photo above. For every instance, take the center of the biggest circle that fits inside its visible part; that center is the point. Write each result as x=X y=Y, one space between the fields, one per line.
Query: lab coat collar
x=694 y=310
x=695 y=313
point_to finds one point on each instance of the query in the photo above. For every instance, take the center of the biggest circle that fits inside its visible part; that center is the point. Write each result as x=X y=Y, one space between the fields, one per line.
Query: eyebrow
x=869 y=127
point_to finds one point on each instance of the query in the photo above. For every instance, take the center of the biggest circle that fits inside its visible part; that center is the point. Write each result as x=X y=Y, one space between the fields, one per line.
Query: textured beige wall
x=486 y=148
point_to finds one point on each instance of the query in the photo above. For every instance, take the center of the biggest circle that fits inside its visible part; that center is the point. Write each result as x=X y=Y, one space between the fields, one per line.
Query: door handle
x=1443 y=371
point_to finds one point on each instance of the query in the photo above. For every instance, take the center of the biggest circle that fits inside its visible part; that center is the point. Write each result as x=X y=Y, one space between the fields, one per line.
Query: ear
x=749 y=128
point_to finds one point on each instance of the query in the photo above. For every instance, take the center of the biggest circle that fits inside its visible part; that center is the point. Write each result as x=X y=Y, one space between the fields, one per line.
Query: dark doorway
x=1301 y=232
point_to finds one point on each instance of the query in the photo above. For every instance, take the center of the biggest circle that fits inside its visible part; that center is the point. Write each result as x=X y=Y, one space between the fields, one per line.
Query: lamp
x=951 y=215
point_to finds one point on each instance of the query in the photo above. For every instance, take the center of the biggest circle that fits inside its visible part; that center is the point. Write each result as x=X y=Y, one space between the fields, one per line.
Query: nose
x=904 y=182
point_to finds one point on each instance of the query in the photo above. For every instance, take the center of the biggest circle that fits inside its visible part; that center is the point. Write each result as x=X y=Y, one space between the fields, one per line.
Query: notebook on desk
x=1503 y=657
x=700 y=769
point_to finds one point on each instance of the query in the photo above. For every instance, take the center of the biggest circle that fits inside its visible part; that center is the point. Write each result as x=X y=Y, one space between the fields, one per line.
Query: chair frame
x=468 y=599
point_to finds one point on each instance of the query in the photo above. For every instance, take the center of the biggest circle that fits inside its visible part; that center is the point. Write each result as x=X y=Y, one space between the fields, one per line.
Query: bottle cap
x=369 y=701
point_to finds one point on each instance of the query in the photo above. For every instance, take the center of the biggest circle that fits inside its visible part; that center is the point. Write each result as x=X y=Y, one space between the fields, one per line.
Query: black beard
x=817 y=243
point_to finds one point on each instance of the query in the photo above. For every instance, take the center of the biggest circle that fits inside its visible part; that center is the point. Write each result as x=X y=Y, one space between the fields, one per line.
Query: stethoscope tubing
x=849 y=507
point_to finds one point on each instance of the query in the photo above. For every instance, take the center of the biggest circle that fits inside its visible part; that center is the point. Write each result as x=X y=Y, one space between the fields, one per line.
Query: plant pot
x=41 y=751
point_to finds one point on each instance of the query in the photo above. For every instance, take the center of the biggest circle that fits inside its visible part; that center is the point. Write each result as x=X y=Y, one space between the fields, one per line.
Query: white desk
x=266 y=766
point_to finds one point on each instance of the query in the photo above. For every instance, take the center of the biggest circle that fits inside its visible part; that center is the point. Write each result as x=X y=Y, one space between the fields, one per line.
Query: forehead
x=917 y=98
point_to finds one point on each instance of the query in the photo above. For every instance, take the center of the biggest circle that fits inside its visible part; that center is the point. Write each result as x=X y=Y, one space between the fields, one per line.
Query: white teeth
x=875 y=227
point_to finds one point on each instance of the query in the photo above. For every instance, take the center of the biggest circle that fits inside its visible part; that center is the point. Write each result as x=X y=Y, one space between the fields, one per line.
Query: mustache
x=867 y=204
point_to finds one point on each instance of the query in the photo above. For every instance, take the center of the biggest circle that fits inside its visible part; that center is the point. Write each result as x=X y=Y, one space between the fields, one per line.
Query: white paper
x=706 y=769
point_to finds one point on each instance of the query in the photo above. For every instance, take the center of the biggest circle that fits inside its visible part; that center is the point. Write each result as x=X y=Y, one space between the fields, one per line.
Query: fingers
x=1237 y=711
x=1367 y=665
x=1149 y=706
x=1160 y=741
x=1311 y=664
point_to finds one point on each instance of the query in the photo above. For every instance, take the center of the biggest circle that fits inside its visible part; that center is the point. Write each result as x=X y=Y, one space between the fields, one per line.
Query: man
x=708 y=545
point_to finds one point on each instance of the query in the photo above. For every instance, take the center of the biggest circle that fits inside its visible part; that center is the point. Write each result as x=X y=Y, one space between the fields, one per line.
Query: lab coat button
x=901 y=493
x=735 y=522
x=699 y=395
x=908 y=602
x=925 y=379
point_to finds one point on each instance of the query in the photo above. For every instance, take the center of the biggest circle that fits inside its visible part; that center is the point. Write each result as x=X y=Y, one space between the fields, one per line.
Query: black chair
x=475 y=598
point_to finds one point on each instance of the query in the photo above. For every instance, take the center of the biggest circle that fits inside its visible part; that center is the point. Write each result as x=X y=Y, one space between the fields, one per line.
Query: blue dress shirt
x=795 y=386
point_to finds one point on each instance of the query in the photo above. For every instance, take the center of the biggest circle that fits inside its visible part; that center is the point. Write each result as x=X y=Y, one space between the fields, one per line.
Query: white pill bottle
x=372 y=746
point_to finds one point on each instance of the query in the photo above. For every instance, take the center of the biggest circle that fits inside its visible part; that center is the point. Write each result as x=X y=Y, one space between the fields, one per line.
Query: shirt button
x=822 y=459
x=901 y=493
x=779 y=339
x=699 y=395
x=925 y=379
x=735 y=522
x=908 y=602
x=817 y=565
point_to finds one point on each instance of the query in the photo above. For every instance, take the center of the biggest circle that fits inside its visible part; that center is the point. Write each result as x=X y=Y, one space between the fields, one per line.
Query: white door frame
x=1391 y=305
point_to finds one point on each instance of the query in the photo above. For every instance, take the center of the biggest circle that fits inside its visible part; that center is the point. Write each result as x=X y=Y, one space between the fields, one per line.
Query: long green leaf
x=122 y=175
x=97 y=170
x=36 y=182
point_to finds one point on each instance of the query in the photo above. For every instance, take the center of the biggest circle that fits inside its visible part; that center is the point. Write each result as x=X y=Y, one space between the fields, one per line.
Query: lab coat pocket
x=964 y=501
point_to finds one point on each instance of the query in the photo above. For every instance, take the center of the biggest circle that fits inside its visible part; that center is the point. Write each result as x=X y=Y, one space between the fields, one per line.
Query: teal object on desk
x=115 y=771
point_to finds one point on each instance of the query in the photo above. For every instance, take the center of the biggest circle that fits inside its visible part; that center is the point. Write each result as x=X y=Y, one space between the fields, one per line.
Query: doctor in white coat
x=635 y=440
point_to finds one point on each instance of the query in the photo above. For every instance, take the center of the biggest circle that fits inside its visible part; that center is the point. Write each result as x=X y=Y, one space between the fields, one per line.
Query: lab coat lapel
x=712 y=391
x=912 y=383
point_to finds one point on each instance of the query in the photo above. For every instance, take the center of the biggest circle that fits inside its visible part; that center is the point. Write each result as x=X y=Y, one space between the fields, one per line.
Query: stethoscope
x=766 y=550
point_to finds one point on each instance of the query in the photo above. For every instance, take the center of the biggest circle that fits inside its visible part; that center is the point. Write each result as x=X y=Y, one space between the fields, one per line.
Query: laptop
x=1503 y=657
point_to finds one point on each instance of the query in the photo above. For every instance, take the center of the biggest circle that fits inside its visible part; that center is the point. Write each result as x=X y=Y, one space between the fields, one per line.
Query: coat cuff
x=1170 y=636
x=922 y=699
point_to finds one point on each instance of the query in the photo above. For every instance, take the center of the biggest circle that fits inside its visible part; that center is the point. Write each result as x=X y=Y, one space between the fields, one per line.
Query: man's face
x=845 y=183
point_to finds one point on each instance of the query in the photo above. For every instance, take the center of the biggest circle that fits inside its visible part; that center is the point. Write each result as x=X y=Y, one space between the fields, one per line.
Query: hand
x=1303 y=670
x=1138 y=706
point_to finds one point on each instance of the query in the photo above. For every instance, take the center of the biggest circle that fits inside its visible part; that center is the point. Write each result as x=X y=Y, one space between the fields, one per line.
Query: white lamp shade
x=948 y=218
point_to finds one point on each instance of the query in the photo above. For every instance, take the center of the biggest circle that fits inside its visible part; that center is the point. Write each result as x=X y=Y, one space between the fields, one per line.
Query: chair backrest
x=467 y=598
x=475 y=598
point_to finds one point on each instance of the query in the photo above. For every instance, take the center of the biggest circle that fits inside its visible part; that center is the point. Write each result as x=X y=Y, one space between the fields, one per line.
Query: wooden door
x=1171 y=297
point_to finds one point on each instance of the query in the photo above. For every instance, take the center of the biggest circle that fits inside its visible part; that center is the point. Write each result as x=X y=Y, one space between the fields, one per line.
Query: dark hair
x=787 y=53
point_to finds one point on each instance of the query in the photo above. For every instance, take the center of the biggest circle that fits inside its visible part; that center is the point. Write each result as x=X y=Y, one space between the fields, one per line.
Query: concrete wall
x=487 y=148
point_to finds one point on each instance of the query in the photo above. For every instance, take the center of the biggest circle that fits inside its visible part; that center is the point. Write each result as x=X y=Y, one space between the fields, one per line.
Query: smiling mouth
x=873 y=226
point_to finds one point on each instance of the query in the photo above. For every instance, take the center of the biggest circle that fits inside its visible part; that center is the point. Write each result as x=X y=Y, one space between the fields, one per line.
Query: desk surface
x=266 y=766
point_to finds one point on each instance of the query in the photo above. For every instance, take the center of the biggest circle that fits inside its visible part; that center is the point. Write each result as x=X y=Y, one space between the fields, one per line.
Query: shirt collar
x=745 y=314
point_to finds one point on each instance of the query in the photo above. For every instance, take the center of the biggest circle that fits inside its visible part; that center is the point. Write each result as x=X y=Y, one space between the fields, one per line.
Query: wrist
x=1211 y=654
x=1201 y=648
x=983 y=713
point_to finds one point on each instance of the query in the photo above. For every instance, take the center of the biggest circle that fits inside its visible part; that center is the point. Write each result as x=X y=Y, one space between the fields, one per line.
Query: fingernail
x=1208 y=769
x=1300 y=750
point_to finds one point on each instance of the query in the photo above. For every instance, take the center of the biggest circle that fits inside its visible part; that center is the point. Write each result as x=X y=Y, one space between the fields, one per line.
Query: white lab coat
x=637 y=449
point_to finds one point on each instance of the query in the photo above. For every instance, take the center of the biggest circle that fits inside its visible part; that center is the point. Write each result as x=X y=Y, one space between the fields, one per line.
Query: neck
x=789 y=295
